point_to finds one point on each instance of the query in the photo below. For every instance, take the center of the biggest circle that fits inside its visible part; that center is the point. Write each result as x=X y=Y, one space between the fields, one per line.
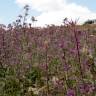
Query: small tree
x=88 y=22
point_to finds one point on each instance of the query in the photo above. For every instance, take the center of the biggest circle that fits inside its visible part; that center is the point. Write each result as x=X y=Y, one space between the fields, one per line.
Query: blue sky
x=9 y=11
x=91 y=4
x=52 y=10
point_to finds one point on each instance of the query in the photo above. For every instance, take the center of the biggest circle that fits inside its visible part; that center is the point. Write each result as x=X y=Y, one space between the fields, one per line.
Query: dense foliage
x=51 y=61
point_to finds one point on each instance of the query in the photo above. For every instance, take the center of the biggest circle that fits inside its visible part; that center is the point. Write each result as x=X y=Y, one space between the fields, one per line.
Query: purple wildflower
x=86 y=88
x=66 y=67
x=70 y=92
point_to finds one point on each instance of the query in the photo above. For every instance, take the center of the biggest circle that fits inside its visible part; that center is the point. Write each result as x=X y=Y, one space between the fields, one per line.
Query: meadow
x=48 y=61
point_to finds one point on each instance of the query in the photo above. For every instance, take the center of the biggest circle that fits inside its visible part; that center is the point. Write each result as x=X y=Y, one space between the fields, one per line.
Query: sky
x=48 y=11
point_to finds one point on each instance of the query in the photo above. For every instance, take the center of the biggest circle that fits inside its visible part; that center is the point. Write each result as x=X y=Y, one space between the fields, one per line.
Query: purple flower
x=86 y=88
x=63 y=44
x=70 y=92
x=66 y=67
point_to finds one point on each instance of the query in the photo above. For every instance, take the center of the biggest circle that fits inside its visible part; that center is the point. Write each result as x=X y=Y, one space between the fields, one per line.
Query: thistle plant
x=26 y=7
x=51 y=61
x=47 y=69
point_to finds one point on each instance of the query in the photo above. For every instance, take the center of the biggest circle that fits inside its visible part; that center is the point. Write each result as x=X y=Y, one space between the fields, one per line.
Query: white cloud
x=43 y=5
x=54 y=11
